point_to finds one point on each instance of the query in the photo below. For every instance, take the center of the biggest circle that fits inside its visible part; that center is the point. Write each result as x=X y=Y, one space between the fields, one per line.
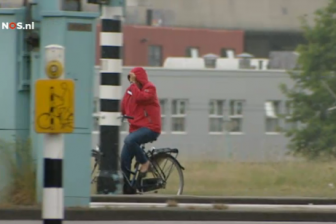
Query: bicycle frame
x=132 y=182
x=156 y=170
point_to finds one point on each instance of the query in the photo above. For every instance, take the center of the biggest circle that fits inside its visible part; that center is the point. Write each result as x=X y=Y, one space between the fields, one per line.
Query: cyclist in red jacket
x=141 y=102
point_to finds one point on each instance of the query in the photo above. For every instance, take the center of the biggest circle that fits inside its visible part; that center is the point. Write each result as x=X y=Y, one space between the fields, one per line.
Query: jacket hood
x=140 y=74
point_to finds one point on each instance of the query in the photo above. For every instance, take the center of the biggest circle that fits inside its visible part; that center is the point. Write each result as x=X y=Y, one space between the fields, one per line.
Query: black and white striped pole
x=111 y=41
x=54 y=101
x=53 y=205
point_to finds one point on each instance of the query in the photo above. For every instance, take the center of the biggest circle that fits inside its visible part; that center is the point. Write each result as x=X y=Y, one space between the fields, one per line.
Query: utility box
x=22 y=67
x=76 y=31
x=14 y=113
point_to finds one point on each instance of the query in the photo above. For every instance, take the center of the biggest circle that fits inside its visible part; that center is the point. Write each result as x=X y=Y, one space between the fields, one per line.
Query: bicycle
x=156 y=158
x=63 y=116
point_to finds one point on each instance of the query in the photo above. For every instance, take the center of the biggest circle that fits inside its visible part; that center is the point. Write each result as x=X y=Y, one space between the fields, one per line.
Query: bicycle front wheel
x=44 y=121
x=166 y=168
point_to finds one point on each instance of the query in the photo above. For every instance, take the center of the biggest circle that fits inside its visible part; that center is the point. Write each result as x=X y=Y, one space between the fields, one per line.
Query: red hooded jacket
x=142 y=104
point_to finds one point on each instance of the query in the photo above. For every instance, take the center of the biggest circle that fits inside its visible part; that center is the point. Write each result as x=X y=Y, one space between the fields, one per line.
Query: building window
x=236 y=116
x=272 y=109
x=289 y=110
x=71 y=5
x=179 y=115
x=163 y=105
x=216 y=114
x=155 y=56
x=227 y=53
x=192 y=52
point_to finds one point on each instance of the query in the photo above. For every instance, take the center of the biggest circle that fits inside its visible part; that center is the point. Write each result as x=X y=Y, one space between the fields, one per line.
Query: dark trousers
x=132 y=149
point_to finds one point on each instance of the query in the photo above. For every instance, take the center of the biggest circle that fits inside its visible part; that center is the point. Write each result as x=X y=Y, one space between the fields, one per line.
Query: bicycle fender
x=168 y=155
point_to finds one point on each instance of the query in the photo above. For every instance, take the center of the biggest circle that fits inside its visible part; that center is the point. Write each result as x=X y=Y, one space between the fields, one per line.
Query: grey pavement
x=157 y=222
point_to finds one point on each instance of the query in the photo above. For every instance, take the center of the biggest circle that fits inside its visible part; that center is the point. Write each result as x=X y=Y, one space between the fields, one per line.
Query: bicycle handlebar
x=123 y=117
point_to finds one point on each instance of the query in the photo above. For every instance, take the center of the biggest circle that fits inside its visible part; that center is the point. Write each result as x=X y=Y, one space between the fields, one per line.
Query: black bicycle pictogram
x=59 y=114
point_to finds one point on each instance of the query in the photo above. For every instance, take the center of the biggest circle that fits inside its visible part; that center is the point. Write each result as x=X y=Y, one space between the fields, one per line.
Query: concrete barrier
x=213 y=200
x=172 y=214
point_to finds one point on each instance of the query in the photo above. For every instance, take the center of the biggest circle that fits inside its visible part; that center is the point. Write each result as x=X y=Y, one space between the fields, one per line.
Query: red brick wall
x=175 y=41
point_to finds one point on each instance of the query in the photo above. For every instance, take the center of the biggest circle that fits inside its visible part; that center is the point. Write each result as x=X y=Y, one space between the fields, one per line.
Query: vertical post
x=53 y=199
x=111 y=41
x=53 y=205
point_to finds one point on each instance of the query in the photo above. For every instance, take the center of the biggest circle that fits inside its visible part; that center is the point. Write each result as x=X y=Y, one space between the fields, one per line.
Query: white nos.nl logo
x=18 y=26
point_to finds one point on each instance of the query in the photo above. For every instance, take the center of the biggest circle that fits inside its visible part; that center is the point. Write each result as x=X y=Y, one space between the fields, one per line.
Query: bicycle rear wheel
x=166 y=168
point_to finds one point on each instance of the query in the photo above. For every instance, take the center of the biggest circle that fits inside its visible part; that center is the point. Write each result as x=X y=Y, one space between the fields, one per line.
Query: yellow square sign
x=54 y=106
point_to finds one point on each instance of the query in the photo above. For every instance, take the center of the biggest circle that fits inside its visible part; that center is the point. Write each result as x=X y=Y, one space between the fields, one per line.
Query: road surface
x=157 y=222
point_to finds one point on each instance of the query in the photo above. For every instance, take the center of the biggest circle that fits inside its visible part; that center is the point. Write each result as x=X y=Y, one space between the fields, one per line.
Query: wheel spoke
x=172 y=184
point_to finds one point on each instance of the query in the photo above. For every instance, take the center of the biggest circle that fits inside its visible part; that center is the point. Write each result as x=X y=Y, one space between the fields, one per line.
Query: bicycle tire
x=174 y=162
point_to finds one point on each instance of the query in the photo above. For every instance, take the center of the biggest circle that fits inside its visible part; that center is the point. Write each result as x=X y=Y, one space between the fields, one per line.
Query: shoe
x=128 y=189
x=141 y=175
